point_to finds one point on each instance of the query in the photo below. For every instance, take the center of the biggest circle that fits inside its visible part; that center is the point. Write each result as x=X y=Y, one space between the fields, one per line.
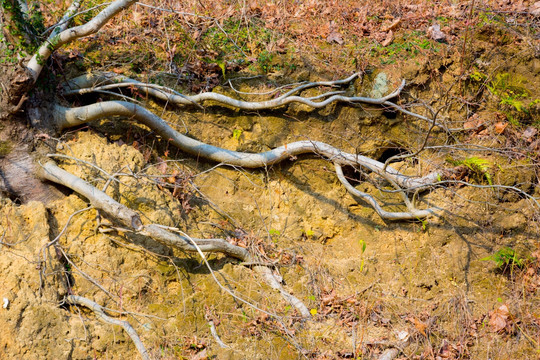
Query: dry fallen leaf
x=392 y=26
x=335 y=37
x=529 y=133
x=535 y=9
x=162 y=165
x=434 y=32
x=200 y=355
x=328 y=298
x=474 y=123
x=389 y=39
x=419 y=325
x=498 y=319
x=500 y=126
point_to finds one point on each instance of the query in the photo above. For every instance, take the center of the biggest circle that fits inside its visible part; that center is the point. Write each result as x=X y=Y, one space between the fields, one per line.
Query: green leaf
x=363 y=245
x=236 y=133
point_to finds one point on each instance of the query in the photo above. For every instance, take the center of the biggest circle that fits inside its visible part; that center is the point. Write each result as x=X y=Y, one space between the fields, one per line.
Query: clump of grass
x=506 y=258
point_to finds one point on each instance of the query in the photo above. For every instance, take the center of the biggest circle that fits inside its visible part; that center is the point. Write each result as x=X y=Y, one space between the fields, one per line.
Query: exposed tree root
x=131 y=220
x=100 y=313
x=66 y=117
x=412 y=214
x=60 y=38
x=104 y=81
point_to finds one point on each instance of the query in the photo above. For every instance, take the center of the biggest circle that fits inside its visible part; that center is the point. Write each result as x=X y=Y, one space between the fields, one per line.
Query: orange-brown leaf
x=499 y=318
x=500 y=126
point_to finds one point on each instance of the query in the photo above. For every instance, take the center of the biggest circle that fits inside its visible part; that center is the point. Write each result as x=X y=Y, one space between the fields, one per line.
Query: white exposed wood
x=69 y=117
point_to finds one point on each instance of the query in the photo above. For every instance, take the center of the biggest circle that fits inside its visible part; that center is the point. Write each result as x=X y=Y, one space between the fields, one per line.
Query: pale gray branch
x=412 y=214
x=90 y=81
x=66 y=117
x=100 y=313
x=55 y=41
x=131 y=219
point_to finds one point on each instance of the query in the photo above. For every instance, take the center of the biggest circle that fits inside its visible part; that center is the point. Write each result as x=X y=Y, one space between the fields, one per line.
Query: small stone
x=434 y=32
x=380 y=86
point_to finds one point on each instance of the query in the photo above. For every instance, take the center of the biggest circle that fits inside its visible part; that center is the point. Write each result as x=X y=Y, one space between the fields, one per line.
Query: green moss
x=5 y=148
x=403 y=47
x=23 y=31
x=514 y=97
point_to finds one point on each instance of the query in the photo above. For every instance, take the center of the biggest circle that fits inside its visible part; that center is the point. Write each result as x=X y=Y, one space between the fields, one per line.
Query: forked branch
x=58 y=39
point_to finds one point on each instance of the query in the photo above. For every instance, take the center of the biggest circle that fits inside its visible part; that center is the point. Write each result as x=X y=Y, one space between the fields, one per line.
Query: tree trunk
x=18 y=40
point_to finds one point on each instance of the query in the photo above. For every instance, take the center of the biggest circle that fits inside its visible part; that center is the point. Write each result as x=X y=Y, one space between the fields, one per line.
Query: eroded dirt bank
x=371 y=285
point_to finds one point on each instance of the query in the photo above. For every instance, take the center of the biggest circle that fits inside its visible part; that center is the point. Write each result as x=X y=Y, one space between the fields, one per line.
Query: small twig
x=216 y=336
x=98 y=310
x=69 y=15
x=413 y=214
x=426 y=139
x=84 y=275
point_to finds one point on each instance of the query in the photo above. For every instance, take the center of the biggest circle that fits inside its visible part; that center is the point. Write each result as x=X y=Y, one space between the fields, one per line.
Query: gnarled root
x=131 y=220
x=105 y=81
x=66 y=117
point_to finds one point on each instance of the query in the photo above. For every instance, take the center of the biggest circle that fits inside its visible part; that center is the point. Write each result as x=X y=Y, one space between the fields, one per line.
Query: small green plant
x=478 y=166
x=477 y=76
x=308 y=233
x=363 y=247
x=236 y=134
x=506 y=258
x=274 y=232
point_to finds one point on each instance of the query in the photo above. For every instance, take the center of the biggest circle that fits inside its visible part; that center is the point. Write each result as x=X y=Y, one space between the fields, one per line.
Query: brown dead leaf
x=499 y=318
x=137 y=16
x=474 y=123
x=434 y=32
x=529 y=133
x=535 y=145
x=335 y=37
x=201 y=355
x=419 y=325
x=162 y=165
x=484 y=132
x=389 y=38
x=500 y=126
x=328 y=298
x=392 y=26
x=535 y=9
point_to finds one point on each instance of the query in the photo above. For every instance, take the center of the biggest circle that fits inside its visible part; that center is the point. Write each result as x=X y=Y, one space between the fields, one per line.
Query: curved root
x=104 y=81
x=100 y=313
x=132 y=221
x=412 y=214
x=66 y=117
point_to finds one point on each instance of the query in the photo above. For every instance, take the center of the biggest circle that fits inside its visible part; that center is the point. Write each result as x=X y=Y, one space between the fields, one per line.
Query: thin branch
x=420 y=149
x=132 y=221
x=413 y=214
x=100 y=313
x=55 y=41
x=64 y=22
